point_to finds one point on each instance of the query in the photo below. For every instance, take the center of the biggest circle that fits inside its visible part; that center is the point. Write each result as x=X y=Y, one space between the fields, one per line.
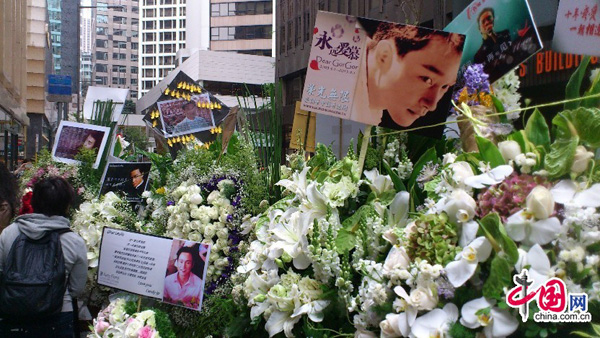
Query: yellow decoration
x=169 y=143
x=161 y=191
x=198 y=104
x=178 y=139
x=154 y=124
x=179 y=85
x=167 y=91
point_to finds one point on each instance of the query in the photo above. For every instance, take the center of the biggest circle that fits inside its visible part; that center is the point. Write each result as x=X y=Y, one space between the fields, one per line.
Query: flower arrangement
x=120 y=319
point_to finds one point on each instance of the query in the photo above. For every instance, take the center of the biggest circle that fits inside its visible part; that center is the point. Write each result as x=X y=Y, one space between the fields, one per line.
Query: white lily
x=297 y=184
x=482 y=312
x=522 y=227
x=378 y=183
x=281 y=321
x=570 y=192
x=260 y=286
x=314 y=310
x=291 y=238
x=494 y=176
x=398 y=209
x=435 y=323
x=537 y=263
x=459 y=271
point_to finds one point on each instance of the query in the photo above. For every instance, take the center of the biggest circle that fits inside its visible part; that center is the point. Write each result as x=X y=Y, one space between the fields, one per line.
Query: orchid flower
x=571 y=192
x=459 y=271
x=459 y=206
x=523 y=227
x=314 y=310
x=496 y=322
x=494 y=176
x=378 y=183
x=538 y=264
x=435 y=323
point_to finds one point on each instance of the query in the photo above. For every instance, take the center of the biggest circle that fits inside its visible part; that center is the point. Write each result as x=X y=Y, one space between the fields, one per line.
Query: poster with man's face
x=72 y=137
x=381 y=73
x=129 y=178
x=185 y=275
x=181 y=117
x=501 y=34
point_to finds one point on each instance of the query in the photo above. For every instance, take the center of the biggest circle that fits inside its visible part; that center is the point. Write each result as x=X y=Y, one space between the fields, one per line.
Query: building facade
x=163 y=32
x=115 y=44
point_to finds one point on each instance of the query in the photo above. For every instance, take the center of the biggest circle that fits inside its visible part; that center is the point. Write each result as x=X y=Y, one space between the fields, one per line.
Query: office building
x=115 y=44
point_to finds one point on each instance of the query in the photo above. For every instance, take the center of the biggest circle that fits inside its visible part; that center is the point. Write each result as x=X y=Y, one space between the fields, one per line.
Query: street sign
x=59 y=88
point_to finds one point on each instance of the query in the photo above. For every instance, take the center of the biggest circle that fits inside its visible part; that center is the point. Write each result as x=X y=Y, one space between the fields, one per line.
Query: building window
x=119 y=69
x=119 y=32
x=134 y=69
x=149 y=49
x=118 y=81
x=182 y=23
x=149 y=24
x=307 y=26
x=167 y=2
x=134 y=45
x=101 y=68
x=147 y=85
x=282 y=39
x=168 y=24
x=135 y=9
x=100 y=18
x=134 y=34
x=120 y=19
x=150 y=13
x=119 y=44
x=134 y=81
x=101 y=43
x=241 y=8
x=166 y=60
x=149 y=2
x=149 y=61
x=170 y=11
x=101 y=56
x=149 y=72
x=167 y=36
x=167 y=48
x=182 y=36
x=241 y=32
x=149 y=37
x=119 y=56
x=101 y=80
x=163 y=72
x=133 y=57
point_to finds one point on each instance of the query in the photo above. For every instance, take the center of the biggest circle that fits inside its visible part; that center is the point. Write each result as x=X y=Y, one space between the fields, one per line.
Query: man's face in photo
x=136 y=177
x=486 y=23
x=184 y=264
x=414 y=83
x=190 y=111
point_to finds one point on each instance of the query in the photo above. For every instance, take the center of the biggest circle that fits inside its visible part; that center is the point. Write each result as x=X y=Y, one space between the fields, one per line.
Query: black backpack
x=34 y=280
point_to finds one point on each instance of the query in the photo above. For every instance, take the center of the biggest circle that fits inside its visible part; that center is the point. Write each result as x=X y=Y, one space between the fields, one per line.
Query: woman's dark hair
x=52 y=196
x=9 y=189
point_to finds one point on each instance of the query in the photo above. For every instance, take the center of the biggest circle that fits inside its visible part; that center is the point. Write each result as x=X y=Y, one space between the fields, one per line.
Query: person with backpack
x=43 y=264
x=9 y=200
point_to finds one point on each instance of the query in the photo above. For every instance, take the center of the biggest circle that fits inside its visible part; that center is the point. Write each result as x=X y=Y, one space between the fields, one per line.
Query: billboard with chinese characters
x=577 y=28
x=381 y=73
x=500 y=35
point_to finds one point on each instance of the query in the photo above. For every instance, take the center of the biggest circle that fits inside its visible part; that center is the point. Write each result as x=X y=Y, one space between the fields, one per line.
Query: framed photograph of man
x=71 y=137
x=381 y=73
x=186 y=274
x=181 y=117
x=501 y=34
x=129 y=178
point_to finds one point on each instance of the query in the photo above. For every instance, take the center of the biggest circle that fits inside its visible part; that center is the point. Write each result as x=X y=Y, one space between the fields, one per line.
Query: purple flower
x=170 y=203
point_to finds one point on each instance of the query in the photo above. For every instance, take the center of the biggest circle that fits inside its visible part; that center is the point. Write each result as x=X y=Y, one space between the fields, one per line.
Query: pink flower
x=80 y=190
x=146 y=332
x=101 y=326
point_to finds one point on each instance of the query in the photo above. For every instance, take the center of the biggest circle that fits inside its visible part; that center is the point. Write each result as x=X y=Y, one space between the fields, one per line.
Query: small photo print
x=181 y=117
x=130 y=178
x=71 y=137
x=186 y=274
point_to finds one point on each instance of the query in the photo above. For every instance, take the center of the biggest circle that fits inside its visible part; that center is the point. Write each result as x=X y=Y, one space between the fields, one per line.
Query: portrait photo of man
x=494 y=45
x=193 y=119
x=404 y=74
x=184 y=286
x=128 y=178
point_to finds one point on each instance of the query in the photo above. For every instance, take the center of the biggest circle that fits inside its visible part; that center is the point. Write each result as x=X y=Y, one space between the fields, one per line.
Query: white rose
x=213 y=196
x=540 y=202
x=423 y=298
x=133 y=328
x=196 y=199
x=461 y=170
x=509 y=150
x=390 y=326
x=582 y=160
x=396 y=258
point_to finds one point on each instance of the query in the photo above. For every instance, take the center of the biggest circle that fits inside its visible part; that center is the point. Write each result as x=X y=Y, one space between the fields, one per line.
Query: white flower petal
x=515 y=226
x=399 y=208
x=469 y=318
x=564 y=191
x=503 y=323
x=452 y=312
x=544 y=231
x=483 y=248
x=468 y=233
x=589 y=197
x=428 y=324
x=301 y=261
x=275 y=323
x=458 y=272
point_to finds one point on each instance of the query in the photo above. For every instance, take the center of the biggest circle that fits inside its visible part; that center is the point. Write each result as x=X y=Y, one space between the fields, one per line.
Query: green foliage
x=90 y=177
x=537 y=130
x=489 y=152
x=398 y=185
x=583 y=122
x=137 y=137
x=559 y=160
x=163 y=165
x=435 y=240
x=573 y=89
x=346 y=238
x=457 y=330
x=323 y=159
x=492 y=227
x=372 y=159
x=498 y=279
x=429 y=156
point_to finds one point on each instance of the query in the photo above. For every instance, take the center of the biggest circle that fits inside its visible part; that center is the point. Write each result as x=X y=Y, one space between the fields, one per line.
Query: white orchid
x=494 y=176
x=379 y=183
x=522 y=227
x=459 y=271
x=468 y=232
x=460 y=172
x=482 y=312
x=459 y=206
x=537 y=263
x=571 y=192
x=435 y=323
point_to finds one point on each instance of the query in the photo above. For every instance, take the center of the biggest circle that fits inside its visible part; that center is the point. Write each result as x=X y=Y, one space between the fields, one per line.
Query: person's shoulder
x=195 y=278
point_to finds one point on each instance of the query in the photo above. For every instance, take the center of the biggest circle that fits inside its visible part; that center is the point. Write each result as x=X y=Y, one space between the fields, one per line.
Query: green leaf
x=489 y=152
x=519 y=137
x=537 y=130
x=594 y=89
x=498 y=279
x=234 y=145
x=573 y=88
x=345 y=241
x=429 y=156
x=495 y=233
x=586 y=122
x=560 y=158
x=398 y=185
x=499 y=108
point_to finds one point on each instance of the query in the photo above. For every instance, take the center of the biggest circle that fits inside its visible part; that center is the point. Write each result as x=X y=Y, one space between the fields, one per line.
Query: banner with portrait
x=381 y=73
x=71 y=137
x=172 y=270
x=128 y=178
x=501 y=34
x=181 y=117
